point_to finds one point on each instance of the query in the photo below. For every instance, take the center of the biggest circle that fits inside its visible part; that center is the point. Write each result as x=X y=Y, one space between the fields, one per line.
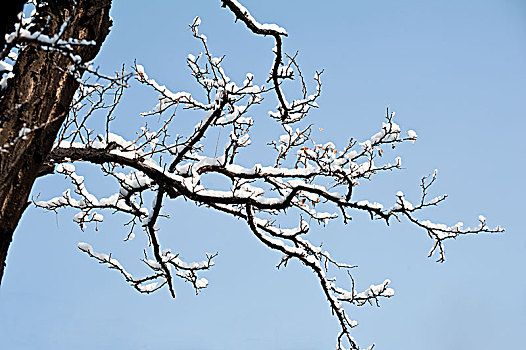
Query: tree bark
x=37 y=98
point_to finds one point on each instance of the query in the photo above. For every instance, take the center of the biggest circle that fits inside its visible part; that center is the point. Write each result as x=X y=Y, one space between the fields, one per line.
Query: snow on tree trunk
x=8 y=17
x=36 y=98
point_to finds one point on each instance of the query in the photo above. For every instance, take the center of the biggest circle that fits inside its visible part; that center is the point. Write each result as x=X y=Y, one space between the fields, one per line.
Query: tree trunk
x=36 y=102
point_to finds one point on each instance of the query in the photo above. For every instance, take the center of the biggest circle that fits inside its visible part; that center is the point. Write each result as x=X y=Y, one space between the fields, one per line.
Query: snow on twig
x=318 y=181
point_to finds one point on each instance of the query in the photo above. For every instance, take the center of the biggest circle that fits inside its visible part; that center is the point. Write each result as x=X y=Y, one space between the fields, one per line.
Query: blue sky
x=454 y=71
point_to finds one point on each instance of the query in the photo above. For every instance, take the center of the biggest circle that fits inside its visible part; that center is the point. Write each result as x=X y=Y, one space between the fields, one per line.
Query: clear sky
x=454 y=71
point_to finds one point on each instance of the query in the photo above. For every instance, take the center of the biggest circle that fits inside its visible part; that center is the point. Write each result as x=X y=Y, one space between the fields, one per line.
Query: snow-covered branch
x=316 y=181
x=38 y=30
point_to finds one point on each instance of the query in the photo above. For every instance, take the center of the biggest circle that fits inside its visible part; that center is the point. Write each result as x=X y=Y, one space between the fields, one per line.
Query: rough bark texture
x=38 y=98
